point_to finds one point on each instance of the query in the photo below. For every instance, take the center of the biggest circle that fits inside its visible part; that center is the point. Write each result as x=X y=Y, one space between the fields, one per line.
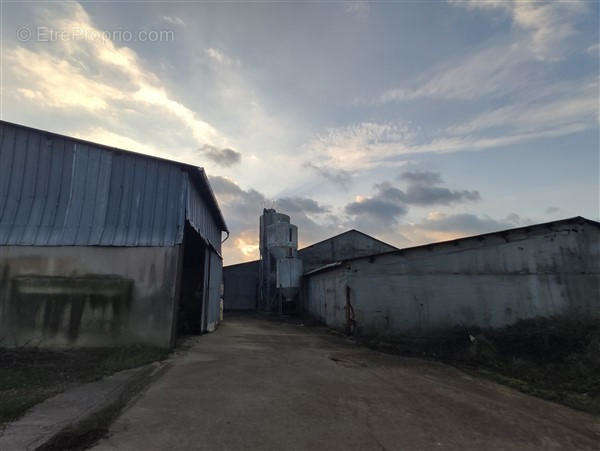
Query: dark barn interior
x=191 y=313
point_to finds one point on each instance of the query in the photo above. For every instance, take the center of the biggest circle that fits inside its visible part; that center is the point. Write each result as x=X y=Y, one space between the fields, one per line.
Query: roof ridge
x=346 y=232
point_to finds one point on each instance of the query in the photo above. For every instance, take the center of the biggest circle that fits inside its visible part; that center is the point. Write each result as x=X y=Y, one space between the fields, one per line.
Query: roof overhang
x=198 y=175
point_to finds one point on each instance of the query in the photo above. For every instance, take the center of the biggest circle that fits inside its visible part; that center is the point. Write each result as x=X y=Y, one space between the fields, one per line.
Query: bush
x=555 y=358
x=546 y=340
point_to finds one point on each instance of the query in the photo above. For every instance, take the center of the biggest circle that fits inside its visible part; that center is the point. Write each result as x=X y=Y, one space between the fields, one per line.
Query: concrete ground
x=256 y=384
x=78 y=412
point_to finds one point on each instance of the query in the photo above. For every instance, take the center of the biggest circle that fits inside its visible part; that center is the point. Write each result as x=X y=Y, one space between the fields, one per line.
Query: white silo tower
x=280 y=267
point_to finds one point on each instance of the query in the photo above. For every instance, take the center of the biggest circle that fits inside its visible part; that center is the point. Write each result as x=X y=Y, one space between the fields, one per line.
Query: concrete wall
x=78 y=295
x=241 y=286
x=488 y=281
x=341 y=247
x=241 y=281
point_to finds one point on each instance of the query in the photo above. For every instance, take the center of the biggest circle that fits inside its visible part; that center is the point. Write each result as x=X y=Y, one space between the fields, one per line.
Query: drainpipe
x=225 y=237
x=350 y=322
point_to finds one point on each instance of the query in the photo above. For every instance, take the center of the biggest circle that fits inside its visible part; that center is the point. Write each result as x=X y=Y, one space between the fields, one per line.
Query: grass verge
x=553 y=358
x=30 y=375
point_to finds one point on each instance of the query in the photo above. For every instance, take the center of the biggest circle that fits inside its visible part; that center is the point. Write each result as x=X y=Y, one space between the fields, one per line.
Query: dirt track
x=255 y=384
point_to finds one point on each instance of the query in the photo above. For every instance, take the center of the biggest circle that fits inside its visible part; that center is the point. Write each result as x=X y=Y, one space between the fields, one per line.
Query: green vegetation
x=554 y=358
x=31 y=375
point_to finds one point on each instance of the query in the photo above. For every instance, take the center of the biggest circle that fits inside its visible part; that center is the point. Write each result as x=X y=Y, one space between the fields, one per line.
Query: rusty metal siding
x=57 y=191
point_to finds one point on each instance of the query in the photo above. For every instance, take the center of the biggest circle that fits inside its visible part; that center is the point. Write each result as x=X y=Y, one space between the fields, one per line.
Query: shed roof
x=432 y=246
x=347 y=232
x=46 y=197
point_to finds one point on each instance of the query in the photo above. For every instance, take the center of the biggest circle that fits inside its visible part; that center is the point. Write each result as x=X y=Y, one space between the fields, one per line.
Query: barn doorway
x=192 y=302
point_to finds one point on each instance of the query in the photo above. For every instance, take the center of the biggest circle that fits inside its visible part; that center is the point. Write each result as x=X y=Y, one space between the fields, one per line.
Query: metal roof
x=58 y=190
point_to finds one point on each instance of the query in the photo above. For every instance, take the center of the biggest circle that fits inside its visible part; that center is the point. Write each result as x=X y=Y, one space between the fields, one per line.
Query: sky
x=414 y=122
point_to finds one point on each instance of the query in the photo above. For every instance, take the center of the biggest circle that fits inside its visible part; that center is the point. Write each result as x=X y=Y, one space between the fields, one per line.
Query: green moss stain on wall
x=62 y=309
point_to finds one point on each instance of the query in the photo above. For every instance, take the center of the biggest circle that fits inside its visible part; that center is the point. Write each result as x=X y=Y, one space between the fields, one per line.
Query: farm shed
x=100 y=246
x=241 y=281
x=350 y=244
x=488 y=280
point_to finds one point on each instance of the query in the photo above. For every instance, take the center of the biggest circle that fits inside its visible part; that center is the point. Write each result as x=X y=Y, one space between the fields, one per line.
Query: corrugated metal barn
x=101 y=246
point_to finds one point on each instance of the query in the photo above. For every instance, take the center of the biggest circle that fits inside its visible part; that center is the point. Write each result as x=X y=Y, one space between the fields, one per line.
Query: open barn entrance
x=193 y=293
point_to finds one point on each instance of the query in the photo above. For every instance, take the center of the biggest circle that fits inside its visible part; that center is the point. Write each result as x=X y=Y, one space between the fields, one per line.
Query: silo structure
x=280 y=268
x=289 y=274
x=282 y=240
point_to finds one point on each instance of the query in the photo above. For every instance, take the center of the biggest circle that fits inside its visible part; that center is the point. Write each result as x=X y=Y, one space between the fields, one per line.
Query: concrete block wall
x=487 y=281
x=241 y=286
x=241 y=280
x=350 y=244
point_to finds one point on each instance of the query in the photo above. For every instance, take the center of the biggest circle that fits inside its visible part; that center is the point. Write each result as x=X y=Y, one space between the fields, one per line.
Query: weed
x=30 y=375
x=553 y=358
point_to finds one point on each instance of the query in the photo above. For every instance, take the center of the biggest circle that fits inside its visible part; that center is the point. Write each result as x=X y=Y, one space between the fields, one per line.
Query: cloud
x=421 y=177
x=108 y=138
x=545 y=111
x=375 y=212
x=516 y=75
x=552 y=210
x=174 y=20
x=359 y=146
x=462 y=222
x=459 y=143
x=220 y=57
x=359 y=8
x=242 y=208
x=338 y=177
x=314 y=221
x=383 y=209
x=439 y=226
x=435 y=195
x=467 y=223
x=99 y=82
x=300 y=204
x=513 y=218
x=222 y=157
x=246 y=243
x=496 y=70
x=504 y=68
x=100 y=88
x=547 y=25
x=382 y=214
x=553 y=107
x=57 y=83
x=422 y=190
